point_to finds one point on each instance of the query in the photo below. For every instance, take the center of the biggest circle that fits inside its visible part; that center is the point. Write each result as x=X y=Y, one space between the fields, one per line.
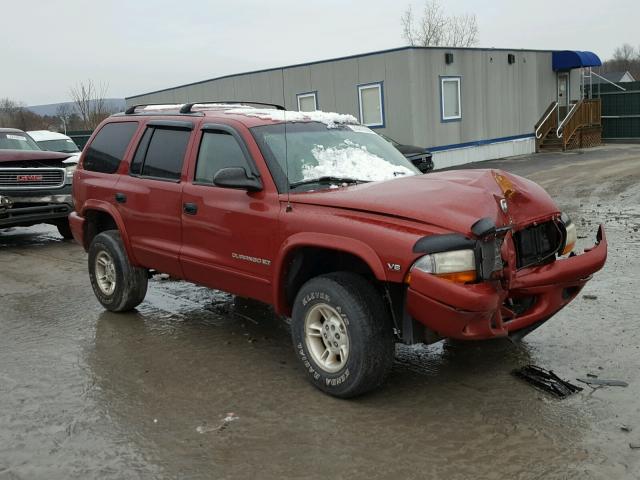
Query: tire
x=353 y=314
x=64 y=229
x=118 y=285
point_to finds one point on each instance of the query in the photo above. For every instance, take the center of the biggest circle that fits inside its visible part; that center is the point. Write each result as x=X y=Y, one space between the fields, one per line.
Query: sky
x=143 y=45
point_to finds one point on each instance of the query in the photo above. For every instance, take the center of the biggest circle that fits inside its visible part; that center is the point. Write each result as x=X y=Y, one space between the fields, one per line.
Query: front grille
x=537 y=244
x=31 y=178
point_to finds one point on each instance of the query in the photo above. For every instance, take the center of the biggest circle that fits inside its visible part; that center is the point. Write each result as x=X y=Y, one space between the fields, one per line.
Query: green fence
x=620 y=111
x=80 y=137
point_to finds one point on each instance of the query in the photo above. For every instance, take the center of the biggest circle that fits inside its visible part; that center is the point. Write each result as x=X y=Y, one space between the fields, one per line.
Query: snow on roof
x=162 y=107
x=42 y=135
x=330 y=119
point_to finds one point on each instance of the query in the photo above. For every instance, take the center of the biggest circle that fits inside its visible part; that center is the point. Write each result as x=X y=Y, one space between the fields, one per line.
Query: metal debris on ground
x=546 y=380
x=603 y=382
x=634 y=445
x=590 y=297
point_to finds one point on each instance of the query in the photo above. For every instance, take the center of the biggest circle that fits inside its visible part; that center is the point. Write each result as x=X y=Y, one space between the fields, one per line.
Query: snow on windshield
x=351 y=160
x=330 y=119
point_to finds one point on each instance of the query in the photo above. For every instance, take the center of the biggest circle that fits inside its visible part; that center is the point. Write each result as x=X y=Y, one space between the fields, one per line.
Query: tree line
x=626 y=58
x=434 y=27
x=85 y=111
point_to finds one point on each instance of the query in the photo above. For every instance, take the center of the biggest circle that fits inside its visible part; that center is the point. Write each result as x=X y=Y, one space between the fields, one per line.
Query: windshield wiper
x=326 y=179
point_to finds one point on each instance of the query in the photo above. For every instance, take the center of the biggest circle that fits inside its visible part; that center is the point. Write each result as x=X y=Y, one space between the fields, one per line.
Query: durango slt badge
x=29 y=178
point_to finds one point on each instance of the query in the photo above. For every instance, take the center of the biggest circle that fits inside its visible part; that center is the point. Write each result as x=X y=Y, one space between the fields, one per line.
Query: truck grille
x=31 y=178
x=537 y=244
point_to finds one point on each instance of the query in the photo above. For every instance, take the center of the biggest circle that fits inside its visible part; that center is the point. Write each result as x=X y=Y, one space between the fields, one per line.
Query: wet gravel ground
x=197 y=385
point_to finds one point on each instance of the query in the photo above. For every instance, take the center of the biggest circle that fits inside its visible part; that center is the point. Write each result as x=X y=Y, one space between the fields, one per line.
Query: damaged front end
x=521 y=276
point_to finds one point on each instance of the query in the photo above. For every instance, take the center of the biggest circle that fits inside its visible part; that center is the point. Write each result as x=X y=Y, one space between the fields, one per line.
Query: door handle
x=190 y=208
x=121 y=197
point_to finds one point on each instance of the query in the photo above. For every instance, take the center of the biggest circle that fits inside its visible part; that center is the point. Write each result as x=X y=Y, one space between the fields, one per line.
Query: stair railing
x=585 y=113
x=567 y=119
x=544 y=126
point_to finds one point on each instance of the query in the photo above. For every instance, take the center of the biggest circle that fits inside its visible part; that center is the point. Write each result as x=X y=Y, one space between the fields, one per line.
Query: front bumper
x=25 y=208
x=478 y=311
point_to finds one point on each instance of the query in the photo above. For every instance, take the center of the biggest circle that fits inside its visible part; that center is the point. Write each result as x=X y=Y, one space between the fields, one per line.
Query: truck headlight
x=457 y=266
x=69 y=169
x=571 y=232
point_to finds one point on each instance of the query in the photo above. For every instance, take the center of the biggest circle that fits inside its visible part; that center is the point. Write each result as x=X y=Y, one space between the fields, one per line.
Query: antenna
x=286 y=145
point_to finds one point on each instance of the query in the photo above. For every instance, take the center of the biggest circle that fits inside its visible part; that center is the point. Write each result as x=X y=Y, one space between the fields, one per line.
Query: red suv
x=326 y=221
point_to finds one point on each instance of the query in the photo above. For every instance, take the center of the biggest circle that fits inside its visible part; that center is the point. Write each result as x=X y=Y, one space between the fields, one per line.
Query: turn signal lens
x=460 y=277
x=508 y=190
x=457 y=266
x=572 y=234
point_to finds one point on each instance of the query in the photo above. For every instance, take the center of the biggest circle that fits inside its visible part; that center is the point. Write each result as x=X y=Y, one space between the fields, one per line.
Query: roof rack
x=132 y=109
x=186 y=108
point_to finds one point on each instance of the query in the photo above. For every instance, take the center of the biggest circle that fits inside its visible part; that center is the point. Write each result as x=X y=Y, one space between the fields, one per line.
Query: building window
x=450 y=99
x=371 y=103
x=307 y=102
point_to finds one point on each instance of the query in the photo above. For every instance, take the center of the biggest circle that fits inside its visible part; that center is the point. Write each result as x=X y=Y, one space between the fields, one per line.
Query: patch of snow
x=161 y=107
x=330 y=119
x=351 y=161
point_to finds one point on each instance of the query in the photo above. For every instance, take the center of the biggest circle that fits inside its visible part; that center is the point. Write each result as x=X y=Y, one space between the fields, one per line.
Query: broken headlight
x=457 y=265
x=571 y=235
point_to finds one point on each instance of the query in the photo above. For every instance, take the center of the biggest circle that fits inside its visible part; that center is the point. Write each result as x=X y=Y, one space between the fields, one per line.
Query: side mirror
x=236 y=177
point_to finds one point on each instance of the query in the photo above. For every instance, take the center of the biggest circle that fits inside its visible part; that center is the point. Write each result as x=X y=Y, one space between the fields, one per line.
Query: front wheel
x=118 y=285
x=343 y=334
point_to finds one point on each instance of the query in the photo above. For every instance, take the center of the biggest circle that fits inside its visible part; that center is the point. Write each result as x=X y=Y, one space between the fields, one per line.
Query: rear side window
x=141 y=151
x=218 y=150
x=160 y=153
x=108 y=147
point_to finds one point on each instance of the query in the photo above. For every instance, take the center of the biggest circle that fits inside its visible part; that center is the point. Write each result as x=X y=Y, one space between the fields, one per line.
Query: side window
x=109 y=146
x=141 y=151
x=218 y=150
x=164 y=153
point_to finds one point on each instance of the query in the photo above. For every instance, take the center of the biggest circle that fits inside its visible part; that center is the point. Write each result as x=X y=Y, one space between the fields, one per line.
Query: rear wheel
x=118 y=285
x=343 y=334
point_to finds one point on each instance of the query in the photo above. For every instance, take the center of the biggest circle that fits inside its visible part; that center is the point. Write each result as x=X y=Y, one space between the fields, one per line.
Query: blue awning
x=568 y=59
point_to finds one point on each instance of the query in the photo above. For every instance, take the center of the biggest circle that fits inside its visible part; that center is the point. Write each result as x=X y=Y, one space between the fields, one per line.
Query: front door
x=563 y=95
x=229 y=235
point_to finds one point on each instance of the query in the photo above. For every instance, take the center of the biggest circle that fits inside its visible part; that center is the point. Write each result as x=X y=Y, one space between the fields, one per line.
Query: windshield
x=315 y=151
x=65 y=145
x=17 y=141
x=390 y=140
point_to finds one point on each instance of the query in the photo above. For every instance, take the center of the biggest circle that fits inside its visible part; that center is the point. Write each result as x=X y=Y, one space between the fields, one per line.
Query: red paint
x=242 y=242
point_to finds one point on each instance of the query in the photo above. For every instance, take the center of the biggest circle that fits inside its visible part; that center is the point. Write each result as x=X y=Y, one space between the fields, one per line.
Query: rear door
x=149 y=198
x=228 y=234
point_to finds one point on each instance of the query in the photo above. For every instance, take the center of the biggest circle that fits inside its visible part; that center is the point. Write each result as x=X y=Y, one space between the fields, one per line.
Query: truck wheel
x=118 y=285
x=343 y=334
x=64 y=229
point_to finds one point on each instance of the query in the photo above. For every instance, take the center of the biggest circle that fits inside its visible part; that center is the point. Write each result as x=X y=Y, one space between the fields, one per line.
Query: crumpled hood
x=26 y=155
x=453 y=200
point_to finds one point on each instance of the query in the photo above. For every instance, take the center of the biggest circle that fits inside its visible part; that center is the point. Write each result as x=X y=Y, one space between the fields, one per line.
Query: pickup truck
x=35 y=185
x=326 y=221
